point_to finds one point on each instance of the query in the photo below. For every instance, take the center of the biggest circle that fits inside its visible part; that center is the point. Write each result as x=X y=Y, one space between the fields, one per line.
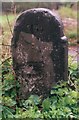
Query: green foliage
x=67 y=12
x=72 y=34
x=61 y=103
x=46 y=104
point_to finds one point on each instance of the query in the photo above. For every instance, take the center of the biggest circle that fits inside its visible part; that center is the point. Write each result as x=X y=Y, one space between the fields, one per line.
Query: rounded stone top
x=43 y=23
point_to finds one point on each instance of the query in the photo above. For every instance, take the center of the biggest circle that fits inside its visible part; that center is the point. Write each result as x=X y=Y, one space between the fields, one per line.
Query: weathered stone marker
x=39 y=52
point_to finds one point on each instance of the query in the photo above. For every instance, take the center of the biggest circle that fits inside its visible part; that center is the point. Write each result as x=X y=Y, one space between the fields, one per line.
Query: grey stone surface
x=39 y=52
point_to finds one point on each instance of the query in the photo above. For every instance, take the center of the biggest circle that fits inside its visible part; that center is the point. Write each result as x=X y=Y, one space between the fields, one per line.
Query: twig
x=11 y=107
x=5 y=60
x=5 y=45
x=73 y=59
x=8 y=23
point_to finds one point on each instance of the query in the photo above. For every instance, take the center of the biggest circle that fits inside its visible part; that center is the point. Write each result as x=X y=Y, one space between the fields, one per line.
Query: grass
x=70 y=29
x=7 y=27
x=67 y=12
x=3 y=18
x=71 y=35
x=5 y=39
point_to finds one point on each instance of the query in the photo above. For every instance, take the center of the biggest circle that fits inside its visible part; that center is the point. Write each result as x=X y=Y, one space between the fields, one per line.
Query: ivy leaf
x=7 y=112
x=73 y=94
x=8 y=101
x=35 y=99
x=46 y=104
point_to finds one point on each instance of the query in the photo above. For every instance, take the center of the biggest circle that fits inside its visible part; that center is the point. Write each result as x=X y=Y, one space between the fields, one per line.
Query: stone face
x=39 y=52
